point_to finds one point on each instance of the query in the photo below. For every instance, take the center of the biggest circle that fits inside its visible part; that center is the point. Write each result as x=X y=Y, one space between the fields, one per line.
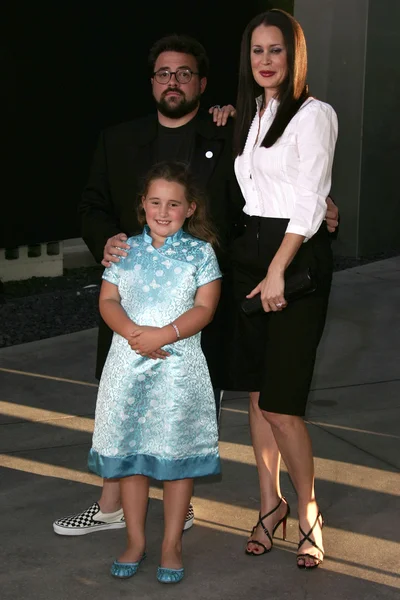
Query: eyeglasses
x=181 y=75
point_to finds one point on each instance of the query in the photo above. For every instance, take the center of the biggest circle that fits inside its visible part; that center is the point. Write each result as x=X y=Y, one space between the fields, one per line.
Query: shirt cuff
x=292 y=228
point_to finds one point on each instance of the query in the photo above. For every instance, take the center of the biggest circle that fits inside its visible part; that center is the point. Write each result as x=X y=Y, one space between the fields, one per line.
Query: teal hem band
x=162 y=469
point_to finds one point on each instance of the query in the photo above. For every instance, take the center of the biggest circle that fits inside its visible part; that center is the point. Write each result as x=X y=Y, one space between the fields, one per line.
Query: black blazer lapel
x=208 y=148
x=205 y=159
x=141 y=151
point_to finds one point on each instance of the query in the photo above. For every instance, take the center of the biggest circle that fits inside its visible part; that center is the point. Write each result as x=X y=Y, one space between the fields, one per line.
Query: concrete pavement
x=47 y=406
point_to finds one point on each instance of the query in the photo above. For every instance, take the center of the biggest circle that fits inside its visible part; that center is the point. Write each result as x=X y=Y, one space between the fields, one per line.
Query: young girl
x=155 y=413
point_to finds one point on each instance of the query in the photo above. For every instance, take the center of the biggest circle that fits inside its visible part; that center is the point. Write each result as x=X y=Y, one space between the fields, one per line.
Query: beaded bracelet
x=178 y=335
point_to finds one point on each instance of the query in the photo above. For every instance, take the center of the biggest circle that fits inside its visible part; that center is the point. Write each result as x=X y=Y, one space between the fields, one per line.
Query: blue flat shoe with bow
x=170 y=575
x=124 y=570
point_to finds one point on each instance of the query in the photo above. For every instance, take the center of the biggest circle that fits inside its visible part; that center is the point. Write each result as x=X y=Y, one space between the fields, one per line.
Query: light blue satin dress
x=157 y=417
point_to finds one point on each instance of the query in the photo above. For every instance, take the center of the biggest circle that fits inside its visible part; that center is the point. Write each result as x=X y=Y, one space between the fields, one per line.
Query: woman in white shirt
x=284 y=142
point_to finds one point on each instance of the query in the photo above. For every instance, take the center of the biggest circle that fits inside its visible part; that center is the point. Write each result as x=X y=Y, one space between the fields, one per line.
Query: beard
x=176 y=108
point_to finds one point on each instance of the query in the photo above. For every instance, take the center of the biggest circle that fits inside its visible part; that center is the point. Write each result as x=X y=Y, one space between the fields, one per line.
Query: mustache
x=175 y=90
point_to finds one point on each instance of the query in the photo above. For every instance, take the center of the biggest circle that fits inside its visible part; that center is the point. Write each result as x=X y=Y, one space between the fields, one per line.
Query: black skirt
x=274 y=353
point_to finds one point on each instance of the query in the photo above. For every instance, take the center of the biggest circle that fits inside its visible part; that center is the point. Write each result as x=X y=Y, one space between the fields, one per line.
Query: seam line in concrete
x=50 y=377
x=11 y=452
x=350 y=385
x=383 y=460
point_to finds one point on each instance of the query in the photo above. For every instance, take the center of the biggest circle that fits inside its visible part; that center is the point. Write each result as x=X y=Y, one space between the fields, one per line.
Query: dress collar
x=169 y=240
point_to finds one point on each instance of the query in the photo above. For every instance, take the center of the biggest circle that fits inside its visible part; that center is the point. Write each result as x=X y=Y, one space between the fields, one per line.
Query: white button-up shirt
x=292 y=179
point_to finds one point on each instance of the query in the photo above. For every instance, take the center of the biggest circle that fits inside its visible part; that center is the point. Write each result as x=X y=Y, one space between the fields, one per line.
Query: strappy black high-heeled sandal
x=306 y=538
x=267 y=533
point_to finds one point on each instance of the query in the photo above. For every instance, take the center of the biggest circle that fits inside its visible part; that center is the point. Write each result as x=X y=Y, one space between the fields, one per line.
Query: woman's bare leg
x=134 y=495
x=294 y=443
x=267 y=457
x=177 y=495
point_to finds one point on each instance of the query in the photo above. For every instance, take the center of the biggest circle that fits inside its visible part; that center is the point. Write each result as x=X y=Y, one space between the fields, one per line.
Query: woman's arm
x=316 y=140
x=272 y=287
x=316 y=135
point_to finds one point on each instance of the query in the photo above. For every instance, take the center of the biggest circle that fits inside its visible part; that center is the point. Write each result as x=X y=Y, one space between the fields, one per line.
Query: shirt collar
x=169 y=240
x=272 y=104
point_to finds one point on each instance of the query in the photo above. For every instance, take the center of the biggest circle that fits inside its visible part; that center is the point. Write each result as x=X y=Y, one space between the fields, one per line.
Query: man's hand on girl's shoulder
x=115 y=246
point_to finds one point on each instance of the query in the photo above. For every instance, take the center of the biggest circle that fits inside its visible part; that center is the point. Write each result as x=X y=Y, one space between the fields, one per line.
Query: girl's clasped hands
x=147 y=341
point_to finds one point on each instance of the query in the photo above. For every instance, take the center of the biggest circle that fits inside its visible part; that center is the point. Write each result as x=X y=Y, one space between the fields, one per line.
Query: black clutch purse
x=297 y=285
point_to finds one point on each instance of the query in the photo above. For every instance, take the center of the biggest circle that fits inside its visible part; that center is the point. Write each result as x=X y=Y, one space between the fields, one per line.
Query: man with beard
x=179 y=130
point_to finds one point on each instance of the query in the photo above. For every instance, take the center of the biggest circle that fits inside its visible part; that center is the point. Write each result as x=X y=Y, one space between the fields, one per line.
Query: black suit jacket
x=123 y=155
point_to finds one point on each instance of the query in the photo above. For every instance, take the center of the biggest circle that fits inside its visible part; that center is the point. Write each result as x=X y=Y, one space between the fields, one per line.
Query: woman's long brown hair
x=292 y=92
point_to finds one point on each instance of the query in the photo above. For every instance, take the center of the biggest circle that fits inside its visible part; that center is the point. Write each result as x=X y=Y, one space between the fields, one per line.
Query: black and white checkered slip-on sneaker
x=189 y=519
x=89 y=521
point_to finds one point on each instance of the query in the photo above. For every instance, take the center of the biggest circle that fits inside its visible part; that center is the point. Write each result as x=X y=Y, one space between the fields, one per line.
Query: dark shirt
x=175 y=143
